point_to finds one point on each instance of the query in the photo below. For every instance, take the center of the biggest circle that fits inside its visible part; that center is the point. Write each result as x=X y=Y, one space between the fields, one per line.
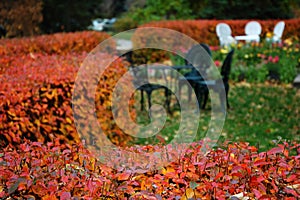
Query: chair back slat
x=226 y=66
x=279 y=28
x=253 y=28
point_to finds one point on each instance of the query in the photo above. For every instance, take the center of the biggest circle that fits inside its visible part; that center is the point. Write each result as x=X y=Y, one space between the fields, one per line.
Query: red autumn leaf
x=257 y=193
x=290 y=198
x=253 y=181
x=275 y=150
x=284 y=165
x=65 y=196
x=123 y=176
x=219 y=175
x=260 y=178
x=286 y=153
x=292 y=177
x=65 y=179
x=274 y=186
x=237 y=174
x=291 y=191
x=260 y=162
x=262 y=187
x=39 y=189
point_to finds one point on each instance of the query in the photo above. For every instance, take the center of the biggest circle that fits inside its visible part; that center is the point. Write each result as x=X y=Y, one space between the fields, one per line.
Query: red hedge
x=205 y=30
x=52 y=171
x=37 y=77
x=59 y=43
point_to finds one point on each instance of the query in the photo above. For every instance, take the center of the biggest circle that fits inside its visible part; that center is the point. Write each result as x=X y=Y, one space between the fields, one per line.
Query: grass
x=126 y=35
x=260 y=114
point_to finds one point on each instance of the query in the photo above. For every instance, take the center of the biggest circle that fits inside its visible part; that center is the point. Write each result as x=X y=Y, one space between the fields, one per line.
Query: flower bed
x=262 y=62
x=55 y=171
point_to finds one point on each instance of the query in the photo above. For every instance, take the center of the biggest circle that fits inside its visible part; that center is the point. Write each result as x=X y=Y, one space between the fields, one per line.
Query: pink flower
x=275 y=59
x=214 y=48
x=217 y=63
x=270 y=58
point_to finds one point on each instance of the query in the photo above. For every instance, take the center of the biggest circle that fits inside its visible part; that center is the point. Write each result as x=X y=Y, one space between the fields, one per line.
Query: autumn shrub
x=36 y=92
x=59 y=43
x=234 y=171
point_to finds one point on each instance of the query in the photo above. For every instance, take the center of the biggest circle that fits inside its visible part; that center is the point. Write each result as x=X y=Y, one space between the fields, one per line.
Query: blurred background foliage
x=31 y=17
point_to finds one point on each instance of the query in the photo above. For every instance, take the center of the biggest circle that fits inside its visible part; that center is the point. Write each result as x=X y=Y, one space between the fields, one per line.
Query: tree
x=154 y=10
x=21 y=17
x=69 y=15
x=250 y=9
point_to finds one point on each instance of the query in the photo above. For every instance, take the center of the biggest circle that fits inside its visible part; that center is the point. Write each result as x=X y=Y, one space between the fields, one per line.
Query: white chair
x=278 y=31
x=252 y=31
x=224 y=34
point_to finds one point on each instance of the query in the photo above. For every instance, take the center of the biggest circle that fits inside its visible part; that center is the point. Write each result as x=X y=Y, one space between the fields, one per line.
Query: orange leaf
x=49 y=197
x=167 y=170
x=123 y=176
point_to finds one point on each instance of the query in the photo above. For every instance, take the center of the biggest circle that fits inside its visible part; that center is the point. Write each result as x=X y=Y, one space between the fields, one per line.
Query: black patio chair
x=225 y=72
x=197 y=58
x=141 y=82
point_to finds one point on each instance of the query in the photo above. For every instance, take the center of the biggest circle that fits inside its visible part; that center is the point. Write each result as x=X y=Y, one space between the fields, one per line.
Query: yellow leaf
x=167 y=170
x=92 y=164
x=43 y=89
x=69 y=120
x=37 y=122
x=11 y=114
x=189 y=193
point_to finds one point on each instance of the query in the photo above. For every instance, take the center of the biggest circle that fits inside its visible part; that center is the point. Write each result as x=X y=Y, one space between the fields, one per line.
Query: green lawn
x=259 y=114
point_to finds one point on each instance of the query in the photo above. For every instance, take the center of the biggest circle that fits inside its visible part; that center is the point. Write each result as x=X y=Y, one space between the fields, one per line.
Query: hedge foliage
x=204 y=31
x=37 y=80
x=59 y=43
x=236 y=171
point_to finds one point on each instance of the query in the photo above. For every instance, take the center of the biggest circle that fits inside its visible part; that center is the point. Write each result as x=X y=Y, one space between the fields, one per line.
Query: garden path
x=123 y=45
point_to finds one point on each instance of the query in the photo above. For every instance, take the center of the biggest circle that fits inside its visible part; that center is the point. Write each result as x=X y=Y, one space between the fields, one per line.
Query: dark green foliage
x=240 y=9
x=77 y=15
x=155 y=10
x=68 y=15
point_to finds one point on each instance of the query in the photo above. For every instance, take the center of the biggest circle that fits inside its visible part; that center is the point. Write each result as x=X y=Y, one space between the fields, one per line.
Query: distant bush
x=154 y=10
x=240 y=9
x=21 y=17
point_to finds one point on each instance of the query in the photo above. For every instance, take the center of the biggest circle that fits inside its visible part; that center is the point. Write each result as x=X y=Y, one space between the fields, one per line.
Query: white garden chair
x=278 y=31
x=252 y=31
x=224 y=34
